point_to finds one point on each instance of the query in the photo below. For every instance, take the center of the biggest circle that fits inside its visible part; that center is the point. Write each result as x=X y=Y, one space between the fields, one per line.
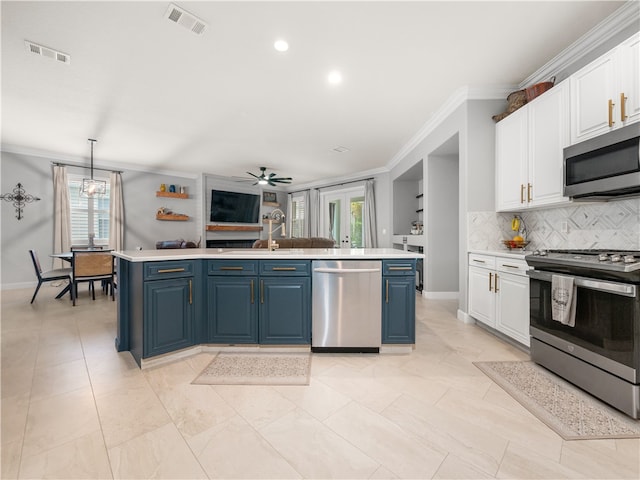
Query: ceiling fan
x=271 y=179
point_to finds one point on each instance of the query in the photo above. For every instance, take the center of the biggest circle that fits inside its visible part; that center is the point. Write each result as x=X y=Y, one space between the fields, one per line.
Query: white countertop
x=264 y=254
x=517 y=254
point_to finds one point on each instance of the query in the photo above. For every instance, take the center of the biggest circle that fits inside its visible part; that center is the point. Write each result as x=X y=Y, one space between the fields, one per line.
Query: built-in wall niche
x=408 y=200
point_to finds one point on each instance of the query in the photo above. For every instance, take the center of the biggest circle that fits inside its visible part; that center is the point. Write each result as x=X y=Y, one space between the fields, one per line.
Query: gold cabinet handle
x=509 y=266
x=284 y=269
x=387 y=292
x=529 y=192
x=623 y=113
x=490 y=278
x=521 y=193
x=261 y=291
x=611 y=105
x=252 y=297
x=479 y=261
x=399 y=268
x=495 y=284
x=190 y=292
x=231 y=268
x=171 y=270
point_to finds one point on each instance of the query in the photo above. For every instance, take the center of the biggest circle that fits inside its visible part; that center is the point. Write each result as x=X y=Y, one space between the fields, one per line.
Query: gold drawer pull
x=490 y=278
x=510 y=266
x=190 y=292
x=479 y=261
x=231 y=268
x=400 y=268
x=284 y=269
x=495 y=284
x=252 y=297
x=261 y=291
x=171 y=270
x=521 y=193
x=529 y=189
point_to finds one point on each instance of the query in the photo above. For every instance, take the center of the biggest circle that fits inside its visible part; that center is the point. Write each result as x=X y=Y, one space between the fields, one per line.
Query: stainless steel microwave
x=604 y=167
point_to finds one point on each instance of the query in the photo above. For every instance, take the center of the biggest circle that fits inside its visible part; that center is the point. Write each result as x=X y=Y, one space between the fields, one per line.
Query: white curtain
x=289 y=213
x=314 y=213
x=61 y=215
x=116 y=212
x=306 y=227
x=370 y=230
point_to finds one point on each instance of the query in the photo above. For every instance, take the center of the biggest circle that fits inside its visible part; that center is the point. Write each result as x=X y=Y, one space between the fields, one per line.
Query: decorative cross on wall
x=19 y=198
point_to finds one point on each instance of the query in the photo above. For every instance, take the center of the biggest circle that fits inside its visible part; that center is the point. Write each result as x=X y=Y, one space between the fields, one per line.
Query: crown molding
x=461 y=95
x=81 y=162
x=623 y=17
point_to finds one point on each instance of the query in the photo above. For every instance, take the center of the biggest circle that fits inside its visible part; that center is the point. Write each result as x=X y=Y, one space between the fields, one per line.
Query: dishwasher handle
x=345 y=270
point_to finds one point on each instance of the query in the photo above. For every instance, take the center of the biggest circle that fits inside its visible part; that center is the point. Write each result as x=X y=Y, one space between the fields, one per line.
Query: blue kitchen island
x=181 y=302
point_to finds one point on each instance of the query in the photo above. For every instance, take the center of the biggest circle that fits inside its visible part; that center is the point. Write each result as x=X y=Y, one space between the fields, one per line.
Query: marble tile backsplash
x=614 y=225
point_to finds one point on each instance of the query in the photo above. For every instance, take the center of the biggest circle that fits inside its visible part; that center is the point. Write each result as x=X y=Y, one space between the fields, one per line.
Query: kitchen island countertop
x=262 y=253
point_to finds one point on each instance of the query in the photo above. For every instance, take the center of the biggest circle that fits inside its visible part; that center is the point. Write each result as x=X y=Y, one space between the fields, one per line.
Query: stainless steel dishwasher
x=346 y=306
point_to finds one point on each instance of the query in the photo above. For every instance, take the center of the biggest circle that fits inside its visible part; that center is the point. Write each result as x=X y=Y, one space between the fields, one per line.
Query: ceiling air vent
x=47 y=52
x=185 y=19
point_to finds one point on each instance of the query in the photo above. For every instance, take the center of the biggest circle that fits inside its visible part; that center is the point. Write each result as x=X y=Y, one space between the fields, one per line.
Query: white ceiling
x=156 y=95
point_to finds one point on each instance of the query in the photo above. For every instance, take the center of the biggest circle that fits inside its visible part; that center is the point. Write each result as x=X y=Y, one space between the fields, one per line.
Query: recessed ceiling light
x=334 y=77
x=281 y=45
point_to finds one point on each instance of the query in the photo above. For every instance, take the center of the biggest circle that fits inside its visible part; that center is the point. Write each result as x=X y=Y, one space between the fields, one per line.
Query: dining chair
x=49 y=275
x=89 y=266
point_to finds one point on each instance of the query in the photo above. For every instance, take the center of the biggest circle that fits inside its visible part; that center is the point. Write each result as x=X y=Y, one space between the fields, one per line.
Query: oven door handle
x=623 y=289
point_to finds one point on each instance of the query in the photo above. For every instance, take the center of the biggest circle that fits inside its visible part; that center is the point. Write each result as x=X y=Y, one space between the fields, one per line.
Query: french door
x=342 y=215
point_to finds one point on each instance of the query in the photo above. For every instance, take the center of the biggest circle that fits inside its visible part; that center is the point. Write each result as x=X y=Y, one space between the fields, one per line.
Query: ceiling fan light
x=262 y=181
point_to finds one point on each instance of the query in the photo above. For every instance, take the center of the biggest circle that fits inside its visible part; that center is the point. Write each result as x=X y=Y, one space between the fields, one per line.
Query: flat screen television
x=234 y=207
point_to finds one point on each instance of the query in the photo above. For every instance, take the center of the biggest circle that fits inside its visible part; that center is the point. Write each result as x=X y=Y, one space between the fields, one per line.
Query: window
x=297 y=216
x=88 y=215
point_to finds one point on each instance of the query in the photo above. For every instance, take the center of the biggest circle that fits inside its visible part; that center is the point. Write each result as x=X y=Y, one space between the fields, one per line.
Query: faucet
x=276 y=214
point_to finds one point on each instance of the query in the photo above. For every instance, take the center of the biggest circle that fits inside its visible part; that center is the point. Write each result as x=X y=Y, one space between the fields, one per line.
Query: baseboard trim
x=441 y=295
x=465 y=317
x=17 y=286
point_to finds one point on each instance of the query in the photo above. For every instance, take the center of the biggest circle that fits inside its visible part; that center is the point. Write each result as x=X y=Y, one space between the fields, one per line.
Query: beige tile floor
x=72 y=407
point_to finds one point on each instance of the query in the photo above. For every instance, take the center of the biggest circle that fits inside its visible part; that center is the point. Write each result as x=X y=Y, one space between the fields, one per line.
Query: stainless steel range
x=601 y=353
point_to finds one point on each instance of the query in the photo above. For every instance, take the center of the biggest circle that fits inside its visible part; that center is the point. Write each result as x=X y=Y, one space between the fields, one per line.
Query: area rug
x=569 y=411
x=257 y=369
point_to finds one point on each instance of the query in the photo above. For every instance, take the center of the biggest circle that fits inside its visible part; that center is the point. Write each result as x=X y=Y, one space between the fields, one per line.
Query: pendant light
x=91 y=187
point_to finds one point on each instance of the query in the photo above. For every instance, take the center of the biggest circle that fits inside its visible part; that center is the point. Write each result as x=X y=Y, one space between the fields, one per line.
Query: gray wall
x=35 y=230
x=442 y=217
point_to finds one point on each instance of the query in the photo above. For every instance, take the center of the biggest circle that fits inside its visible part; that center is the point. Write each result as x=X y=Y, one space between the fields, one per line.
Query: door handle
x=190 y=292
x=387 y=292
x=529 y=192
x=262 y=291
x=252 y=296
x=611 y=104
x=490 y=278
x=623 y=114
x=495 y=284
x=521 y=193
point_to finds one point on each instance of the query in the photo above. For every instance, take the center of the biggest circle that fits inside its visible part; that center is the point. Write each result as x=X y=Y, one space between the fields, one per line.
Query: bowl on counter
x=514 y=244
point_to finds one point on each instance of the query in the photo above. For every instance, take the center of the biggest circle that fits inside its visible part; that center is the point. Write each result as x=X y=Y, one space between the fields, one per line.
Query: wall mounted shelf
x=271 y=204
x=172 y=217
x=233 y=228
x=172 y=194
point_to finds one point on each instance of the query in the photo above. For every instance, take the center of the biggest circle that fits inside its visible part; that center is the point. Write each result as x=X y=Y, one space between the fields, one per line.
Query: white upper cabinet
x=605 y=94
x=529 y=145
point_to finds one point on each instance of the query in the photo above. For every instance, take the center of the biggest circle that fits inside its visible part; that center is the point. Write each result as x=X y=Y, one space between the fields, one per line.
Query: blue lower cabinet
x=168 y=315
x=285 y=310
x=232 y=309
x=398 y=309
